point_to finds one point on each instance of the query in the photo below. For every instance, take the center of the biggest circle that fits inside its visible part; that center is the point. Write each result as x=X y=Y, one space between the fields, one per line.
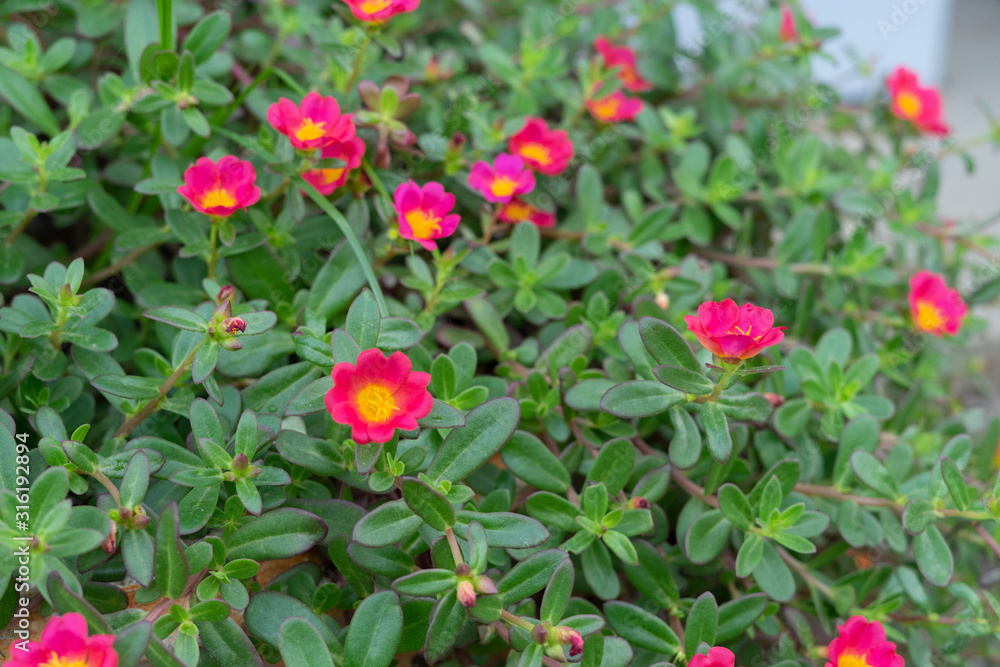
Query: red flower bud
x=466 y=593
x=775 y=400
x=568 y=637
x=638 y=503
x=240 y=462
x=485 y=585
x=225 y=294
x=234 y=324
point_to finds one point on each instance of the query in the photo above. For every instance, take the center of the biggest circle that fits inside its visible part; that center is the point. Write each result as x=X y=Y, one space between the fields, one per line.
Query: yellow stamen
x=375 y=403
x=929 y=316
x=503 y=187
x=57 y=661
x=852 y=660
x=909 y=104
x=423 y=224
x=607 y=108
x=330 y=175
x=536 y=152
x=372 y=6
x=744 y=333
x=217 y=197
x=309 y=130
x=519 y=211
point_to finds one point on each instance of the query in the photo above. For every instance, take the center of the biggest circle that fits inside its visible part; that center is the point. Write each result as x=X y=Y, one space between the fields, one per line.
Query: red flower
x=718 y=656
x=380 y=11
x=329 y=179
x=788 y=32
x=425 y=213
x=615 y=108
x=506 y=178
x=220 y=189
x=378 y=395
x=518 y=210
x=733 y=333
x=567 y=636
x=623 y=59
x=315 y=124
x=921 y=105
x=64 y=643
x=544 y=150
x=935 y=308
x=862 y=644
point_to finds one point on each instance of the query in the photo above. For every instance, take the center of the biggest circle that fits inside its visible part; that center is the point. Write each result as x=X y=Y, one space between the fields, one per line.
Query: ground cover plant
x=380 y=332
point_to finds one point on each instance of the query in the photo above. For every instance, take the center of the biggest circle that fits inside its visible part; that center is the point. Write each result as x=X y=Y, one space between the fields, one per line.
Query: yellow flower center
x=909 y=104
x=742 y=332
x=375 y=404
x=503 y=187
x=217 y=197
x=929 y=316
x=519 y=211
x=607 y=108
x=57 y=661
x=372 y=6
x=330 y=175
x=852 y=660
x=423 y=224
x=536 y=152
x=309 y=130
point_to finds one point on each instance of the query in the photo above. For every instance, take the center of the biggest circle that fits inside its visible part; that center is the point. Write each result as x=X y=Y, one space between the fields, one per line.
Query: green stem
x=517 y=620
x=721 y=384
x=21 y=226
x=356 y=70
x=166 y=12
x=154 y=403
x=352 y=240
x=374 y=178
x=106 y=483
x=213 y=250
x=456 y=551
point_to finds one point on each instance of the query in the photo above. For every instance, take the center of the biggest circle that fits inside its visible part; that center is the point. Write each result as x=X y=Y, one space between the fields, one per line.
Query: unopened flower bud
x=141 y=521
x=540 y=634
x=638 y=503
x=225 y=294
x=485 y=585
x=223 y=310
x=466 y=593
x=231 y=344
x=463 y=570
x=568 y=637
x=662 y=300
x=125 y=515
x=111 y=543
x=240 y=462
x=234 y=324
x=775 y=400
x=457 y=143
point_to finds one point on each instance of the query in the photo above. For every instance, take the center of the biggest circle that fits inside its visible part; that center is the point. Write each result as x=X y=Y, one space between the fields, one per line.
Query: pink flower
x=219 y=190
x=733 y=333
x=567 y=636
x=466 y=593
x=615 y=108
x=544 y=150
x=935 y=308
x=518 y=210
x=380 y=11
x=65 y=643
x=233 y=325
x=317 y=123
x=921 y=105
x=718 y=656
x=862 y=644
x=788 y=32
x=329 y=179
x=378 y=395
x=425 y=213
x=623 y=59
x=506 y=178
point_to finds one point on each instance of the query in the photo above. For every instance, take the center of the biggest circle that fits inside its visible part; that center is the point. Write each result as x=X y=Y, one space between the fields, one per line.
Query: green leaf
x=870 y=471
x=530 y=460
x=706 y=537
x=446 y=622
x=666 y=345
x=651 y=576
x=613 y=466
x=488 y=321
x=465 y=450
x=530 y=575
x=934 y=558
x=917 y=515
x=685 y=446
x=81 y=456
x=280 y=533
x=621 y=546
x=735 y=507
x=268 y=609
x=425 y=583
x=301 y=644
x=504 y=530
x=170 y=566
x=24 y=97
x=135 y=481
x=739 y=614
x=177 y=317
x=955 y=482
x=557 y=593
x=720 y=441
x=749 y=555
x=773 y=576
x=318 y=455
x=387 y=524
x=207 y=36
x=428 y=504
x=682 y=379
x=641 y=628
x=228 y=644
x=127 y=386
x=639 y=398
x=442 y=415
x=131 y=643
x=374 y=633
x=702 y=623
